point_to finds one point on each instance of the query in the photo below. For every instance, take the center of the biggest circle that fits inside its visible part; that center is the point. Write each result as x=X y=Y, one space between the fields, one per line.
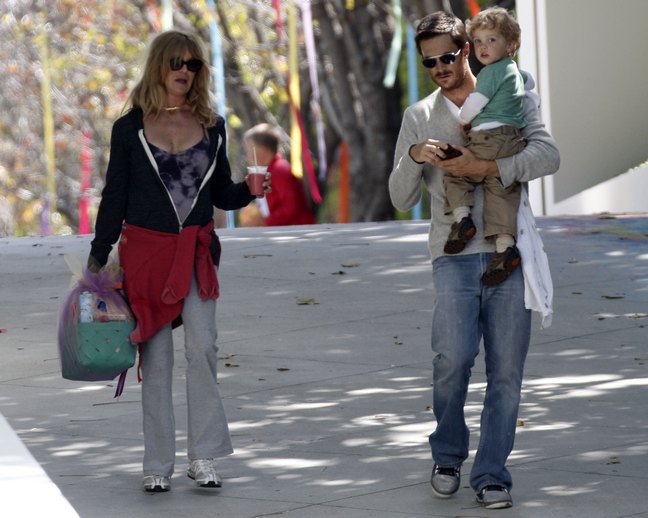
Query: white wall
x=589 y=59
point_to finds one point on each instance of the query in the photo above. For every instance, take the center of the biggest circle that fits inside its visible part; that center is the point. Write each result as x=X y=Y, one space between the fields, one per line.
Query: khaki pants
x=500 y=203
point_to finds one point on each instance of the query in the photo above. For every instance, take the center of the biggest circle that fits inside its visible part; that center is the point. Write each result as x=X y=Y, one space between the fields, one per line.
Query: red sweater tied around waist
x=158 y=267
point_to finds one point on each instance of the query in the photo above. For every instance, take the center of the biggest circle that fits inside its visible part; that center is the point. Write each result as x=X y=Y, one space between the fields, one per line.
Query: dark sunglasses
x=447 y=59
x=193 y=65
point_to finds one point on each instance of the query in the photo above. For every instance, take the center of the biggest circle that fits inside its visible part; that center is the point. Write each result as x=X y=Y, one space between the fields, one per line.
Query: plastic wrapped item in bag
x=95 y=347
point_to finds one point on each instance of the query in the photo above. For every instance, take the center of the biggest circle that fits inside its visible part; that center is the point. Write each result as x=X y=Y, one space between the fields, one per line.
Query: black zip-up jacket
x=135 y=194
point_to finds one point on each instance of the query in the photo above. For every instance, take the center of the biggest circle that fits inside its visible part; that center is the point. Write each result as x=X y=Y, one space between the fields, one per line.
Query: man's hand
x=432 y=152
x=429 y=151
x=467 y=165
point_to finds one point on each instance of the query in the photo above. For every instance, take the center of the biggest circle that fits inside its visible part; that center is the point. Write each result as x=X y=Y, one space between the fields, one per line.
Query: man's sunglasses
x=193 y=65
x=447 y=59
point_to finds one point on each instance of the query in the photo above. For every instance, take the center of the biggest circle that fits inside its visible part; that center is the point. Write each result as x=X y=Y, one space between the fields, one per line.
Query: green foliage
x=95 y=48
x=91 y=49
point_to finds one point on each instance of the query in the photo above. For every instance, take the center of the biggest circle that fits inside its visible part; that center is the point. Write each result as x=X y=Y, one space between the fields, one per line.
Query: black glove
x=93 y=265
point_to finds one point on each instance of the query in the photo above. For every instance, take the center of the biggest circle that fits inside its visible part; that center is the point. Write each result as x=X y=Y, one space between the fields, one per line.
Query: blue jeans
x=464 y=312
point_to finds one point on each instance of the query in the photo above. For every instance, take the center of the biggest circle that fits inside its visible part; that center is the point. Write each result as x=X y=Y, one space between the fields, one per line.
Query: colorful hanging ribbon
x=218 y=66
x=86 y=168
x=311 y=56
x=299 y=151
x=312 y=180
x=167 y=15
x=412 y=89
x=280 y=32
x=344 y=185
x=395 y=49
x=294 y=92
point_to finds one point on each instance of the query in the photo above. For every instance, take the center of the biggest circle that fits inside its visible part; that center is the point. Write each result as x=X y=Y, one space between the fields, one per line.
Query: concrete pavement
x=324 y=336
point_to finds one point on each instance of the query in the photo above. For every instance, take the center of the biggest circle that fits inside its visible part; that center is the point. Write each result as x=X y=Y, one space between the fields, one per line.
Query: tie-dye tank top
x=182 y=173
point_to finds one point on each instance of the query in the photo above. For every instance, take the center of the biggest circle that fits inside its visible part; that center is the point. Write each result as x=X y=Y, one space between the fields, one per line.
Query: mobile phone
x=450 y=152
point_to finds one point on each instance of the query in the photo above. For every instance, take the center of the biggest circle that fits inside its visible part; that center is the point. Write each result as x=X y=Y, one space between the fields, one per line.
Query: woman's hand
x=252 y=181
x=93 y=265
x=267 y=183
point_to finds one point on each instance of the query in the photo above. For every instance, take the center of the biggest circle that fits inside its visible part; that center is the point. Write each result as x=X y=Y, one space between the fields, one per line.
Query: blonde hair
x=149 y=92
x=499 y=19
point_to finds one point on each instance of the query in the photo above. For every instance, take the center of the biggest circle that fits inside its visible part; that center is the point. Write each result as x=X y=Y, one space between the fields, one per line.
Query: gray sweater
x=432 y=118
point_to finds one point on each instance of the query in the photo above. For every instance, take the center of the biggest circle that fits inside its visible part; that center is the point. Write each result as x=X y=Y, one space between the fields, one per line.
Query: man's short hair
x=438 y=24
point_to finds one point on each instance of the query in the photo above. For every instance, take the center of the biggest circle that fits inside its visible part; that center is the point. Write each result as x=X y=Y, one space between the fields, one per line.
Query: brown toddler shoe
x=501 y=265
x=460 y=234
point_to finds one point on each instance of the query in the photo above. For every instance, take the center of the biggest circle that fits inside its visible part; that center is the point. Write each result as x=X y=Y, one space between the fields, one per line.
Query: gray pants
x=208 y=433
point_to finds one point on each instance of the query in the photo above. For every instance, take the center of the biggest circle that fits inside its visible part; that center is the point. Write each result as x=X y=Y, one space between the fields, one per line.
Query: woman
x=168 y=167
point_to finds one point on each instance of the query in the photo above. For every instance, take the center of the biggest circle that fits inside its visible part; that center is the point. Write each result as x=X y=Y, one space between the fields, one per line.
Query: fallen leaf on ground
x=306 y=302
x=520 y=422
x=283 y=369
x=612 y=297
x=231 y=365
x=612 y=460
x=339 y=272
x=349 y=265
x=252 y=256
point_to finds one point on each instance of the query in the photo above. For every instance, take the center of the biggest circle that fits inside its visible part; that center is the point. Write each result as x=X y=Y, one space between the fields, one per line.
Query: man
x=465 y=311
x=287 y=202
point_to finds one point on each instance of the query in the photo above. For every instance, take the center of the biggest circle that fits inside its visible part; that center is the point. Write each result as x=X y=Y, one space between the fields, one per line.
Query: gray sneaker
x=156 y=483
x=204 y=473
x=494 y=497
x=445 y=481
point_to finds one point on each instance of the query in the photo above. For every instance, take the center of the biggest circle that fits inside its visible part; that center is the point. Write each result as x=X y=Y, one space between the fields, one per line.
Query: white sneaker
x=156 y=483
x=445 y=481
x=204 y=473
x=494 y=497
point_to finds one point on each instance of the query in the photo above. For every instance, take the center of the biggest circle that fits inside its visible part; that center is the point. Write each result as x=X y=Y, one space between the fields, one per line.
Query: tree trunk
x=354 y=45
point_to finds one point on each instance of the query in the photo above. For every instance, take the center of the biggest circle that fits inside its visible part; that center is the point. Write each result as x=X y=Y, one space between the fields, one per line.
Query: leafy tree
x=94 y=52
x=92 y=47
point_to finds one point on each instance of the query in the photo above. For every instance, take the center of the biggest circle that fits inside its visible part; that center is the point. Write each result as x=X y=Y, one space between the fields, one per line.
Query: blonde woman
x=168 y=168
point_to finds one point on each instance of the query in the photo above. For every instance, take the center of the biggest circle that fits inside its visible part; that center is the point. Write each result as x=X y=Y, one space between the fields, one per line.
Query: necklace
x=172 y=108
